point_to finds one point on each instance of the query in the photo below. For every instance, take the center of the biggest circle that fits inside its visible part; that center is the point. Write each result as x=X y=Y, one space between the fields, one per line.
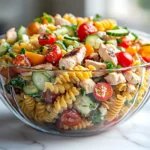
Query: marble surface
x=132 y=135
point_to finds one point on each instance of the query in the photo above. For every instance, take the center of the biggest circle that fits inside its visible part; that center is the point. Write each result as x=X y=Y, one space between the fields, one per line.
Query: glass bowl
x=60 y=97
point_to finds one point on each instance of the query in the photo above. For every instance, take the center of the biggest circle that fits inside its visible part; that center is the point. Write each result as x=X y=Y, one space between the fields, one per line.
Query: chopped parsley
x=63 y=67
x=12 y=55
x=97 y=17
x=82 y=91
x=47 y=17
x=41 y=49
x=23 y=51
x=92 y=106
x=38 y=20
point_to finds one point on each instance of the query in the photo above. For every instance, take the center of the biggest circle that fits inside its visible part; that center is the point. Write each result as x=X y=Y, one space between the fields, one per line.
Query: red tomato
x=102 y=91
x=124 y=59
x=85 y=29
x=53 y=54
x=21 y=60
x=46 y=39
x=70 y=118
x=125 y=42
x=147 y=59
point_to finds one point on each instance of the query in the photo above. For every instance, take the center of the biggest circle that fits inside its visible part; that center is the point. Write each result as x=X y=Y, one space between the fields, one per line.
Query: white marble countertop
x=132 y=135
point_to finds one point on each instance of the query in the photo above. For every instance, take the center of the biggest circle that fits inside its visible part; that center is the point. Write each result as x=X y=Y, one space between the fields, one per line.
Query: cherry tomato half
x=46 y=39
x=125 y=43
x=21 y=60
x=102 y=91
x=53 y=54
x=86 y=29
x=124 y=59
x=70 y=118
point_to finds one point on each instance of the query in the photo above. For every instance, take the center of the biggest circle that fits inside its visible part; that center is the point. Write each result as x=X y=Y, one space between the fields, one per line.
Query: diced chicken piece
x=97 y=65
x=107 y=53
x=74 y=57
x=115 y=78
x=112 y=48
x=11 y=36
x=42 y=28
x=130 y=87
x=88 y=85
x=60 y=21
x=131 y=77
x=94 y=56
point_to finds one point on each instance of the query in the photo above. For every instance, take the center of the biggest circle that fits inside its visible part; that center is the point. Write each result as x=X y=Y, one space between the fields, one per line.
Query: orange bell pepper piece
x=132 y=50
x=144 y=51
x=89 y=49
x=35 y=59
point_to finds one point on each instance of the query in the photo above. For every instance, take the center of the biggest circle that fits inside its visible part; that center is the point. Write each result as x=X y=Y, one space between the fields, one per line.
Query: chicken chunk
x=115 y=78
x=97 y=65
x=132 y=77
x=94 y=56
x=11 y=36
x=60 y=21
x=74 y=57
x=130 y=87
x=88 y=85
x=42 y=28
x=107 y=53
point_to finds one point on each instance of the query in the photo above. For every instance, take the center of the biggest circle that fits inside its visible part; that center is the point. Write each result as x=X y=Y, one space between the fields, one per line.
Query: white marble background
x=132 y=135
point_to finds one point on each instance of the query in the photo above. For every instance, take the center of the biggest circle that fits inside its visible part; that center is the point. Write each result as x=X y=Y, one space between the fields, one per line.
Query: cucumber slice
x=93 y=40
x=30 y=89
x=113 y=42
x=65 y=30
x=68 y=42
x=25 y=38
x=119 y=32
x=61 y=31
x=84 y=105
x=39 y=79
x=20 y=32
x=70 y=30
x=71 y=38
x=61 y=45
x=4 y=48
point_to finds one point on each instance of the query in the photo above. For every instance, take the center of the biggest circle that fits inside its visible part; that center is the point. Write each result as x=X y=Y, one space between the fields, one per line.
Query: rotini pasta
x=57 y=88
x=71 y=18
x=82 y=125
x=115 y=107
x=106 y=24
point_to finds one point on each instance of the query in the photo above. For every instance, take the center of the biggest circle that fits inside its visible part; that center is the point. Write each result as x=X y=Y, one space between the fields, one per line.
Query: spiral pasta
x=115 y=107
x=71 y=18
x=82 y=125
x=28 y=105
x=57 y=88
x=121 y=87
x=76 y=75
x=106 y=24
x=6 y=59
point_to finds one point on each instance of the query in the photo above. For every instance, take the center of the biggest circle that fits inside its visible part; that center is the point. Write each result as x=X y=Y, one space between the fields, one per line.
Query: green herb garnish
x=48 y=31
x=82 y=91
x=41 y=49
x=119 y=41
x=12 y=55
x=23 y=51
x=38 y=20
x=92 y=106
x=116 y=28
x=47 y=17
x=63 y=67
x=97 y=17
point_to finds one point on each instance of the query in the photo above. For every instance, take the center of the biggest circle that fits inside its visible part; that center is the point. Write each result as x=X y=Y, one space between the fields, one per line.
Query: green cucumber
x=30 y=89
x=20 y=32
x=61 y=45
x=4 y=47
x=65 y=30
x=113 y=42
x=39 y=79
x=71 y=38
x=25 y=38
x=84 y=105
x=70 y=30
x=68 y=42
x=119 y=32
x=94 y=40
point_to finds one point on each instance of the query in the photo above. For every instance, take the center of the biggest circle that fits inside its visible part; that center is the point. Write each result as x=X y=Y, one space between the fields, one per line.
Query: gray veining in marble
x=132 y=135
